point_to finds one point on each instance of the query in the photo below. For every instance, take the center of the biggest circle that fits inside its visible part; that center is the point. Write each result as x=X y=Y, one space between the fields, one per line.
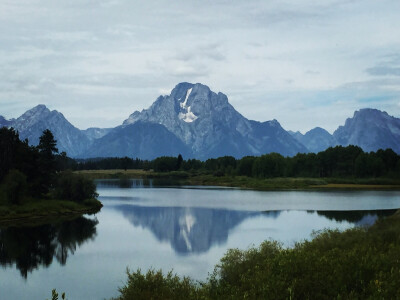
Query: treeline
x=110 y=163
x=339 y=161
x=34 y=171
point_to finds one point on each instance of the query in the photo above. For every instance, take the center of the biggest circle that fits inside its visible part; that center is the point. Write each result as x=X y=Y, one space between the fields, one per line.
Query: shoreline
x=243 y=182
x=40 y=212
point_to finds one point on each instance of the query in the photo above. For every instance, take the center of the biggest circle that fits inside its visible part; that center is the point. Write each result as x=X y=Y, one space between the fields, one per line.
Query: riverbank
x=36 y=212
x=243 y=182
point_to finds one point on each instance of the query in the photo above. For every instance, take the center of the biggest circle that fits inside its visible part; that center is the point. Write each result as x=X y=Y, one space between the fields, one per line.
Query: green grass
x=244 y=182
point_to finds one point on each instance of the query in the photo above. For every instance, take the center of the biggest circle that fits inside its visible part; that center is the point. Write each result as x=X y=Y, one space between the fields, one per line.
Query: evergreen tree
x=48 y=165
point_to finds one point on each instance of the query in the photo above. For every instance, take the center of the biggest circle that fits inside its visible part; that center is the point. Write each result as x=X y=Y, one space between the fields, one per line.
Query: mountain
x=95 y=133
x=143 y=140
x=33 y=122
x=4 y=122
x=316 y=140
x=211 y=127
x=196 y=122
x=371 y=129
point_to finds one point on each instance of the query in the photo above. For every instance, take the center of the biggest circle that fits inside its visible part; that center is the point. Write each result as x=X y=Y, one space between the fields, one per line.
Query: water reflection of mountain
x=31 y=247
x=358 y=217
x=189 y=230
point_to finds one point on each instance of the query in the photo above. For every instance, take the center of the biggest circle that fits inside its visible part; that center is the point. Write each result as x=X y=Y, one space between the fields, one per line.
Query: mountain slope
x=211 y=127
x=33 y=122
x=143 y=140
x=371 y=129
x=316 y=140
x=95 y=133
x=4 y=122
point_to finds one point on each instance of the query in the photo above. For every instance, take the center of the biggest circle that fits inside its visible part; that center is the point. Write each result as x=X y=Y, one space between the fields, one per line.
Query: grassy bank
x=201 y=178
x=36 y=212
x=359 y=263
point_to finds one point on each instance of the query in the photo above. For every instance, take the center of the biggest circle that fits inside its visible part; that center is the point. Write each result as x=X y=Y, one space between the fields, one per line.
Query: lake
x=187 y=229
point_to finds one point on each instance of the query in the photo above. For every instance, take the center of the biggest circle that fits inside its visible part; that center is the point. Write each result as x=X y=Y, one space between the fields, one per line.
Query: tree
x=47 y=144
x=9 y=140
x=70 y=186
x=47 y=162
x=179 y=162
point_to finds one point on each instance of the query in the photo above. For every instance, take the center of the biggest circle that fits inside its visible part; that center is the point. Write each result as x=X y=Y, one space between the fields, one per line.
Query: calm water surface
x=186 y=229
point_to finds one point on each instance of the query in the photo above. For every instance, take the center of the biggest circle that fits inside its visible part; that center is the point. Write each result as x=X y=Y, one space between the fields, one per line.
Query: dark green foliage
x=165 y=164
x=15 y=186
x=63 y=162
x=357 y=264
x=192 y=164
x=47 y=161
x=154 y=285
x=110 y=163
x=179 y=162
x=54 y=295
x=360 y=263
x=70 y=186
x=9 y=141
x=339 y=161
x=47 y=144
x=15 y=154
x=245 y=166
x=269 y=165
x=32 y=170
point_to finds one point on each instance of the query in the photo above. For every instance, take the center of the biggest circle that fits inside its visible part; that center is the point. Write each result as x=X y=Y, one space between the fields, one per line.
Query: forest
x=339 y=161
x=35 y=172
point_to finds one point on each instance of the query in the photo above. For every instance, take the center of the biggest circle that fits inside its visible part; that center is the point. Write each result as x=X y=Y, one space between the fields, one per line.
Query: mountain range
x=199 y=123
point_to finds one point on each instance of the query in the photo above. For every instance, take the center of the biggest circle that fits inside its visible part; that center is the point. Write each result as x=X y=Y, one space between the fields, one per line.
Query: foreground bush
x=359 y=263
x=155 y=285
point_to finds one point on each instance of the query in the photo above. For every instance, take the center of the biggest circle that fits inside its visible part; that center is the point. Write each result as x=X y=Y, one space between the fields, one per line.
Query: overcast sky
x=305 y=63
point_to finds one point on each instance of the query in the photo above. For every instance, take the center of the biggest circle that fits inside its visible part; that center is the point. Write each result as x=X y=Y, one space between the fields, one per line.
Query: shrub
x=70 y=186
x=155 y=285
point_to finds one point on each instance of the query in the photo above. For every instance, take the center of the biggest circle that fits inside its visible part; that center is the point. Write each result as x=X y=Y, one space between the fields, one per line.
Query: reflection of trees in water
x=354 y=216
x=31 y=247
x=125 y=182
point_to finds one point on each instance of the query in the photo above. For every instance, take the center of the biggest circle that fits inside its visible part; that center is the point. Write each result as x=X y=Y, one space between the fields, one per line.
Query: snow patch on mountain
x=187 y=116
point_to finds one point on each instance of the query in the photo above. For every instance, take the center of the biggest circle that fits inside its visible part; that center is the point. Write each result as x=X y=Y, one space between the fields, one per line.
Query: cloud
x=384 y=71
x=295 y=61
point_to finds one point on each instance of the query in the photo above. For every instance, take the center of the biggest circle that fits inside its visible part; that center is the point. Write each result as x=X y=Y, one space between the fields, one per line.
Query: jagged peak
x=35 y=112
x=369 y=111
x=39 y=108
x=181 y=89
x=274 y=123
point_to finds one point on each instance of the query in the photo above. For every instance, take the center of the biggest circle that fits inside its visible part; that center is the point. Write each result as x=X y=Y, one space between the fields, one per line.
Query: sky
x=305 y=63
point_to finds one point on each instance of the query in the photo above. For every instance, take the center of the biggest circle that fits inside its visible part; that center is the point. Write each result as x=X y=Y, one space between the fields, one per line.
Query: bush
x=15 y=186
x=359 y=263
x=154 y=285
x=70 y=186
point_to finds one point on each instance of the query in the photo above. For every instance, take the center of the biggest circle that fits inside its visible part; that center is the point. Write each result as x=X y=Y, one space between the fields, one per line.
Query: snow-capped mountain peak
x=211 y=127
x=186 y=114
